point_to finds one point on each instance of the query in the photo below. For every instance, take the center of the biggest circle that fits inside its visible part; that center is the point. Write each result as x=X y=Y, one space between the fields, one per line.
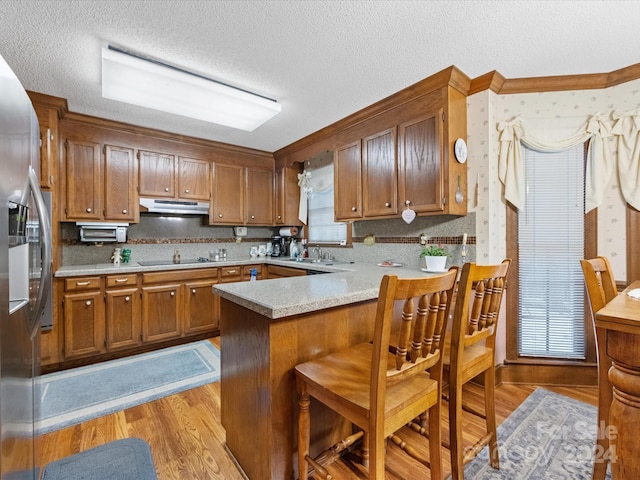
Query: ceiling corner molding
x=489 y=81
x=49 y=101
x=495 y=82
x=623 y=75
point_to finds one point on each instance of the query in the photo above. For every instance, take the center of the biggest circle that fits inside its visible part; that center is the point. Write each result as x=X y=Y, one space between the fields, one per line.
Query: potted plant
x=435 y=258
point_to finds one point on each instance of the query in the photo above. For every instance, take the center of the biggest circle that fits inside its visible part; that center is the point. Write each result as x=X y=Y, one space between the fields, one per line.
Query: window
x=551 y=241
x=321 y=227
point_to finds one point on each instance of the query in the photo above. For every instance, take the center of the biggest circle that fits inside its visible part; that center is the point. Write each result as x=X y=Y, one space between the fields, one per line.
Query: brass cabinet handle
x=407 y=202
x=231 y=271
x=82 y=284
x=173 y=294
x=166 y=189
x=127 y=298
x=88 y=303
x=124 y=212
x=219 y=215
x=193 y=290
x=353 y=209
x=89 y=210
x=387 y=204
x=121 y=280
x=253 y=217
x=186 y=191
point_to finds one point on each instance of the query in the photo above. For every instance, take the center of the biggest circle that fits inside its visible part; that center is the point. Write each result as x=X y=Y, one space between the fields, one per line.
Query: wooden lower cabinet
x=200 y=307
x=276 y=271
x=113 y=314
x=122 y=312
x=84 y=327
x=161 y=312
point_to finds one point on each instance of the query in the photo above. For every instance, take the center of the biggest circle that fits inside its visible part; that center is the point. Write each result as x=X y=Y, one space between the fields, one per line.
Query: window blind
x=320 y=223
x=550 y=246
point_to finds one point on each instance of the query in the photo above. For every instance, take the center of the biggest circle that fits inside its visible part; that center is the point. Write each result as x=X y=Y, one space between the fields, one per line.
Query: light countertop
x=344 y=283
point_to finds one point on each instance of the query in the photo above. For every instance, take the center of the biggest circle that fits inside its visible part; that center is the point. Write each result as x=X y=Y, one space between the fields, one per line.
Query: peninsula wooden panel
x=258 y=388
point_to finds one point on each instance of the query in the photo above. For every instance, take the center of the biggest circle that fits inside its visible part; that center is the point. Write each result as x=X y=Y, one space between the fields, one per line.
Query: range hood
x=178 y=207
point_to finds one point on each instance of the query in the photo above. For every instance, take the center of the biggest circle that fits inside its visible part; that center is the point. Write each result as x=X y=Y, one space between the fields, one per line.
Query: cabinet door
x=161 y=311
x=420 y=176
x=380 y=174
x=157 y=174
x=227 y=205
x=83 y=181
x=259 y=195
x=347 y=174
x=287 y=196
x=122 y=312
x=120 y=180
x=193 y=179
x=201 y=307
x=48 y=123
x=84 y=332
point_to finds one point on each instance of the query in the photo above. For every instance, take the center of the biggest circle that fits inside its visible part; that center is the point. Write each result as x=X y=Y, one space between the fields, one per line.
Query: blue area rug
x=125 y=459
x=549 y=436
x=74 y=396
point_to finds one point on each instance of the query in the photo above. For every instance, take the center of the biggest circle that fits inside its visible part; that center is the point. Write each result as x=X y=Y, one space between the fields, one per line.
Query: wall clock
x=460 y=150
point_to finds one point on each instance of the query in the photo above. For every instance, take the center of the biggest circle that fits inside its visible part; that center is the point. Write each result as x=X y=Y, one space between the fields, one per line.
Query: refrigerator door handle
x=47 y=264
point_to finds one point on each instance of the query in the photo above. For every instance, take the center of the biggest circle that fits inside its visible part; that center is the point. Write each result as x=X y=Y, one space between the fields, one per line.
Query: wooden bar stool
x=471 y=352
x=601 y=289
x=381 y=386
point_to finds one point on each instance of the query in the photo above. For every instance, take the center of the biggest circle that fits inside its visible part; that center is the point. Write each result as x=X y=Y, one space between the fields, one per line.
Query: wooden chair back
x=417 y=343
x=601 y=288
x=599 y=282
x=477 y=306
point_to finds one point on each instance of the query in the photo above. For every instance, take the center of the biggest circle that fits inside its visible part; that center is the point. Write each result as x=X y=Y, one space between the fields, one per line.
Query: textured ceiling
x=322 y=60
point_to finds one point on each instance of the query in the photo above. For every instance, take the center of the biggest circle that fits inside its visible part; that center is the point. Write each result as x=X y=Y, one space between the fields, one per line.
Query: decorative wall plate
x=460 y=150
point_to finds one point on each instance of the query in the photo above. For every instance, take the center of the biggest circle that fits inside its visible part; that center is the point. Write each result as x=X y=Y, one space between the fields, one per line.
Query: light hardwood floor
x=187 y=439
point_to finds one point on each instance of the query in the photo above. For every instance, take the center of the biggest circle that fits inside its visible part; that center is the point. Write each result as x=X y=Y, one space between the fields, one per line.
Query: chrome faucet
x=318 y=250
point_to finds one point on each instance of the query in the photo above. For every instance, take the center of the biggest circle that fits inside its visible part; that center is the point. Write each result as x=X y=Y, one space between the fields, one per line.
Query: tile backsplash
x=156 y=238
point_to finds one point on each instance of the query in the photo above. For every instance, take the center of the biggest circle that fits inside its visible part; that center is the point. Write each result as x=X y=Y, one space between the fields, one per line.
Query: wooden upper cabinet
x=259 y=195
x=380 y=174
x=157 y=174
x=120 y=174
x=420 y=164
x=287 y=196
x=48 y=123
x=193 y=179
x=83 y=181
x=228 y=193
x=347 y=173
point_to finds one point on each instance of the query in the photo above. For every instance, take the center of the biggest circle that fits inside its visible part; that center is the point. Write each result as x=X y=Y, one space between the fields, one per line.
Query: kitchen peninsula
x=267 y=328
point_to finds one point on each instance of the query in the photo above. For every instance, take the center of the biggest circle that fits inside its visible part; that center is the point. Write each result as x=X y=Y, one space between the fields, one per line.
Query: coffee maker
x=277 y=246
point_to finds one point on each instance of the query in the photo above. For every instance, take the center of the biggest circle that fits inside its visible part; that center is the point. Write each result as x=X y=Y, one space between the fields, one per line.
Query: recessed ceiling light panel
x=138 y=81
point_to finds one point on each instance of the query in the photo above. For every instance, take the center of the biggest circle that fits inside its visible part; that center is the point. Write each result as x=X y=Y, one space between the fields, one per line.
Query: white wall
x=565 y=112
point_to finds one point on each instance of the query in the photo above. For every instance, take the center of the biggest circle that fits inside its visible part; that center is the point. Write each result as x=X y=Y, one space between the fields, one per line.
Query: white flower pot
x=436 y=264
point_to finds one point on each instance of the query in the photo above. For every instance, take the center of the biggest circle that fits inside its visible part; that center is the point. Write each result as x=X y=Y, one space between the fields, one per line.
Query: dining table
x=620 y=318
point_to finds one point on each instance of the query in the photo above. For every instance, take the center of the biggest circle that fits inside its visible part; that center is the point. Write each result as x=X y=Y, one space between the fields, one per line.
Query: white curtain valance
x=600 y=163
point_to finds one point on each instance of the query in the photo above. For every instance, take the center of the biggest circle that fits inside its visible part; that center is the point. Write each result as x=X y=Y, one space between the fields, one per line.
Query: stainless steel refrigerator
x=25 y=277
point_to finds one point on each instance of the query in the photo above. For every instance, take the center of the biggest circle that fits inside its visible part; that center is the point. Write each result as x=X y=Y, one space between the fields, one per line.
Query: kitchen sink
x=315 y=261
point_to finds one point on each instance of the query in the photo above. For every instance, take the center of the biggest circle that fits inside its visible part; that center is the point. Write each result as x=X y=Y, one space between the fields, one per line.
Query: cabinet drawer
x=121 y=280
x=231 y=274
x=81 y=283
x=179 y=275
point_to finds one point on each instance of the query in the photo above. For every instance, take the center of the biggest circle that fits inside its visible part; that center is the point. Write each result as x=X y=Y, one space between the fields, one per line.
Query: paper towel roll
x=288 y=231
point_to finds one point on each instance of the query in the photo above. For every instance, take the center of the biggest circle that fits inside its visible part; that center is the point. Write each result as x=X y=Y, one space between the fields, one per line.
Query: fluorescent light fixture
x=139 y=81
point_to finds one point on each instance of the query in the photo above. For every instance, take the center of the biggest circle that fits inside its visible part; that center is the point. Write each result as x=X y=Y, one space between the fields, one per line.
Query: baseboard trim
x=545 y=374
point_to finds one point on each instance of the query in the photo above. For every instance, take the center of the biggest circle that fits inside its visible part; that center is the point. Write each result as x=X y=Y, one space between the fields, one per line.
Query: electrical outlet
x=241 y=231
x=423 y=239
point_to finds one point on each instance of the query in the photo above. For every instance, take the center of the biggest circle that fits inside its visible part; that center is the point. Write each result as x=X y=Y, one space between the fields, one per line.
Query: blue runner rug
x=548 y=437
x=73 y=396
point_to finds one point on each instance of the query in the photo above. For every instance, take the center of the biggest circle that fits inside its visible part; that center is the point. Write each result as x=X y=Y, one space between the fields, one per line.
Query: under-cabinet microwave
x=103 y=232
